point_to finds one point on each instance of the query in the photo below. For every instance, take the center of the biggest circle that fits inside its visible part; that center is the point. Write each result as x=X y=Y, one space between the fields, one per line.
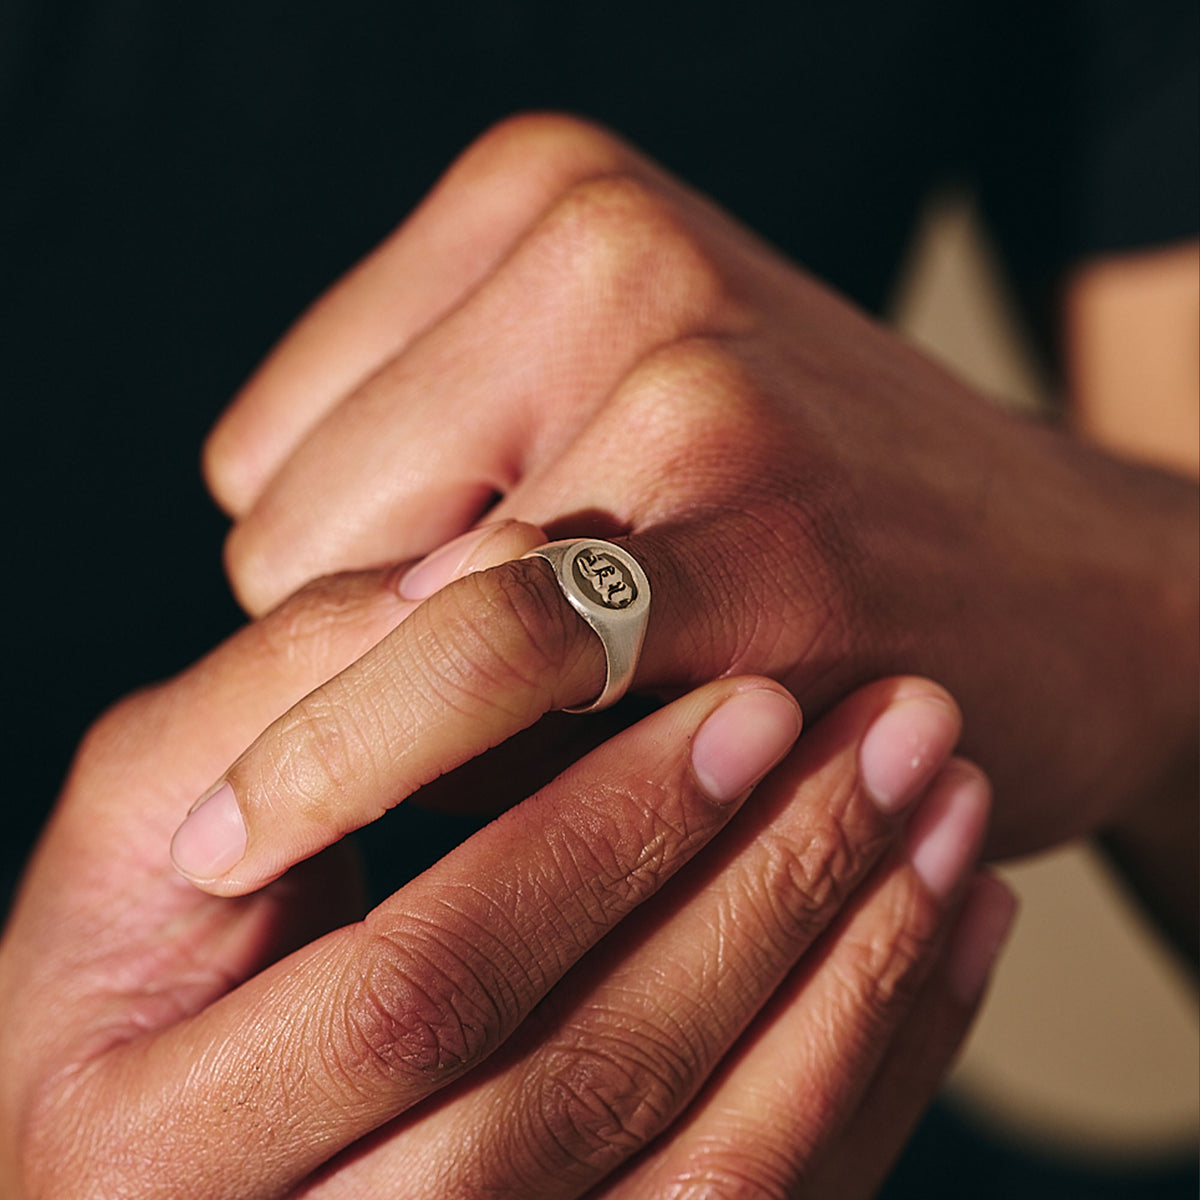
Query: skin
x=811 y=498
x=159 y=1041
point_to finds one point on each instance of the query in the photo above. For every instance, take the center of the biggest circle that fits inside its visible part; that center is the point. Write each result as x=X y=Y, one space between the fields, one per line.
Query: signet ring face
x=607 y=587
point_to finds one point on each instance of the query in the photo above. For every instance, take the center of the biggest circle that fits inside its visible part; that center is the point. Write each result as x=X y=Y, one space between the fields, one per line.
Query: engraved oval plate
x=603 y=578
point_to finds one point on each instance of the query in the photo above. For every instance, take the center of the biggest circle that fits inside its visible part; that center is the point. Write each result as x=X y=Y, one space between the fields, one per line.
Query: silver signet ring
x=607 y=587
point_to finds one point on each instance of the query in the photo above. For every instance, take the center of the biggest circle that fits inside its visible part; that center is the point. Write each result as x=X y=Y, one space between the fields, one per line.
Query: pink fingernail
x=905 y=747
x=977 y=940
x=444 y=564
x=947 y=831
x=212 y=839
x=742 y=740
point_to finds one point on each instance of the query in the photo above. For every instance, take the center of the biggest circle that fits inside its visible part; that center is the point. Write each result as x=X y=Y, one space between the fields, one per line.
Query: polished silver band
x=607 y=587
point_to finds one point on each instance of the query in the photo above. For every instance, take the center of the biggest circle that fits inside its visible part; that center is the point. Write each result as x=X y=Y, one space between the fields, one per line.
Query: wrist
x=1067 y=628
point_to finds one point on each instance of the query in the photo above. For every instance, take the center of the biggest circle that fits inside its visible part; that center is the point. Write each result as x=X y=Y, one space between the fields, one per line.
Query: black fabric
x=178 y=181
x=952 y=1157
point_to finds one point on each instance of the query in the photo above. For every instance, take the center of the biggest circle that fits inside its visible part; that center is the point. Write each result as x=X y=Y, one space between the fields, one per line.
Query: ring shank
x=607 y=587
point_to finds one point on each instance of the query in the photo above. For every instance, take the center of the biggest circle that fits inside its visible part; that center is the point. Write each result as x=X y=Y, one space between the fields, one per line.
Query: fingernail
x=977 y=940
x=742 y=740
x=212 y=839
x=444 y=564
x=947 y=831
x=905 y=747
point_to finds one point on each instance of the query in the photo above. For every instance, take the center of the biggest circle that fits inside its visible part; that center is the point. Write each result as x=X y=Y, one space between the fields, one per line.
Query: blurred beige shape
x=1090 y=1040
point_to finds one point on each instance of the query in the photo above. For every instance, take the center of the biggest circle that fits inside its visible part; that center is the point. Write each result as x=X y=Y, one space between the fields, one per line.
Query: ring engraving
x=603 y=579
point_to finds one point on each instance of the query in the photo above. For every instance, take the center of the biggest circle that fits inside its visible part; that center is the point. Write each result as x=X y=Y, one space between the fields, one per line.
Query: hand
x=564 y=327
x=162 y=1042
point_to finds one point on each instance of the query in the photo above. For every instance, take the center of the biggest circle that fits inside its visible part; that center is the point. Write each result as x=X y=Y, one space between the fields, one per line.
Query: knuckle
x=418 y=1011
x=809 y=882
x=599 y=1105
x=801 y=886
x=745 y=1172
x=244 y=561
x=805 y=879
x=787 y=532
x=880 y=972
x=690 y=400
x=327 y=749
x=267 y=569
x=619 y=850
x=687 y=404
x=618 y=234
x=501 y=638
x=559 y=147
x=218 y=468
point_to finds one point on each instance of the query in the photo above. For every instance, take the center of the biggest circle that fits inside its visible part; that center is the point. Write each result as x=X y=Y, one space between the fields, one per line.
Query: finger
x=477 y=662
x=792 y=1086
x=474 y=664
x=146 y=759
x=613 y=270
x=269 y=665
x=922 y=1052
x=454 y=239
x=319 y=1050
x=612 y=1057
